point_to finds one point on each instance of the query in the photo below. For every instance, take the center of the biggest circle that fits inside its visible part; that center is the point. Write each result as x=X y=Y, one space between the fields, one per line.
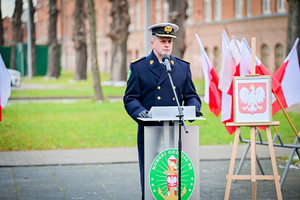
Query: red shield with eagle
x=252 y=98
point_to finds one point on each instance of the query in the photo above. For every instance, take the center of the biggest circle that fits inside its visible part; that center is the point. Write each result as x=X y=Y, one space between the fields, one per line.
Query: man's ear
x=152 y=44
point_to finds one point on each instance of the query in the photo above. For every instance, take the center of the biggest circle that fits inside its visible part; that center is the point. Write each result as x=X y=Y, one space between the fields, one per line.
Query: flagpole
x=286 y=115
x=253 y=46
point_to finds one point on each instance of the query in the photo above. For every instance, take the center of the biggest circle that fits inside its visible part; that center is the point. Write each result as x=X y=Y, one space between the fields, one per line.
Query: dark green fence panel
x=5 y=53
x=41 y=58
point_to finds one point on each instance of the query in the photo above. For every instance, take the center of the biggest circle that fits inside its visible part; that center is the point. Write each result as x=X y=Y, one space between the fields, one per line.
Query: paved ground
x=113 y=174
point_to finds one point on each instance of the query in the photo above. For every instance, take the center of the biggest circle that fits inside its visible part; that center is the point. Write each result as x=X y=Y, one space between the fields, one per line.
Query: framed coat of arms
x=252 y=99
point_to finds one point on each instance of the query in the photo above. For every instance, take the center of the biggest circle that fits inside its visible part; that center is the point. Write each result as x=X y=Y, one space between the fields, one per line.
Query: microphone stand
x=181 y=122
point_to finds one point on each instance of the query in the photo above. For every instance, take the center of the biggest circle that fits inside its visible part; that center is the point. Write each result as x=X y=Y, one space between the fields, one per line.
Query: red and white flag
x=5 y=86
x=260 y=68
x=226 y=98
x=212 y=95
x=288 y=76
x=230 y=68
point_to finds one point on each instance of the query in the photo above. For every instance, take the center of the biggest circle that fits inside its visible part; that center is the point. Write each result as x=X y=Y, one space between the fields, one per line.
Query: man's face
x=162 y=45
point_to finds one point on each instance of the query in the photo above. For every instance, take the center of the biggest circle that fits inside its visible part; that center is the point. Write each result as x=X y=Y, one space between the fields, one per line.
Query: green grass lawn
x=65 y=86
x=86 y=124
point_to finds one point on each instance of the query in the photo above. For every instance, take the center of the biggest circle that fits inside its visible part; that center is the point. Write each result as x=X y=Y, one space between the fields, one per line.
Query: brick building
x=264 y=19
x=8 y=31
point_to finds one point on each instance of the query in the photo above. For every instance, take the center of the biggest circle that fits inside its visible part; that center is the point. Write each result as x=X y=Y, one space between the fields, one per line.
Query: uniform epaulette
x=183 y=60
x=138 y=59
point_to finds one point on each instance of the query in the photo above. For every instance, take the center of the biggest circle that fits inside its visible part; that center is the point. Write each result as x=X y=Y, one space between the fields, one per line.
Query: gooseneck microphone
x=166 y=59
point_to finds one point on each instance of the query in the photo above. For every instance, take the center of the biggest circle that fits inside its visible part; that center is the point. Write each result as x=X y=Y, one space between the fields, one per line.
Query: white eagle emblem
x=252 y=98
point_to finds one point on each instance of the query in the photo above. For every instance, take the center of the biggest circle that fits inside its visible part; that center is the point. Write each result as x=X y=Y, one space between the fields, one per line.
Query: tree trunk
x=119 y=34
x=32 y=30
x=52 y=70
x=79 y=38
x=94 y=53
x=17 y=32
x=177 y=15
x=1 y=27
x=293 y=30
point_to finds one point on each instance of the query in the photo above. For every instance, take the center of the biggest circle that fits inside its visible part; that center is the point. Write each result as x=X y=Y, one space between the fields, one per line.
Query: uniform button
x=159 y=98
x=158 y=87
x=173 y=98
x=174 y=87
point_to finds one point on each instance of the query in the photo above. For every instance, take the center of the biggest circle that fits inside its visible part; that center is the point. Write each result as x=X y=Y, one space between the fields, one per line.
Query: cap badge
x=168 y=28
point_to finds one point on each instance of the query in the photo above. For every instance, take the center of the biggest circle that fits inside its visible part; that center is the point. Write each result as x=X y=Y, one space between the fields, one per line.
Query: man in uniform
x=148 y=84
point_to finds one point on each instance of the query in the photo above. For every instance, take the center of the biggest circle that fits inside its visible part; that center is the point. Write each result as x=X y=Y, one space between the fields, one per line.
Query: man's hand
x=198 y=114
x=144 y=114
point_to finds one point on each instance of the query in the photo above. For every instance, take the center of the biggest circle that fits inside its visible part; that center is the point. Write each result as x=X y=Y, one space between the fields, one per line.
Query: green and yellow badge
x=129 y=74
x=164 y=176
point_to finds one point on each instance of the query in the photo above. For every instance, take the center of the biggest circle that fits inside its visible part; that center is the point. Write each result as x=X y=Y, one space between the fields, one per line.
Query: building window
x=42 y=28
x=217 y=10
x=280 y=6
x=266 y=7
x=279 y=56
x=137 y=54
x=216 y=58
x=158 y=11
x=166 y=10
x=238 y=8
x=131 y=15
x=189 y=12
x=138 y=14
x=206 y=51
x=248 y=8
x=207 y=10
x=265 y=55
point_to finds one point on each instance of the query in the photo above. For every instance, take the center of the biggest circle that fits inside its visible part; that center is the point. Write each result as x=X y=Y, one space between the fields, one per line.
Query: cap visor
x=165 y=35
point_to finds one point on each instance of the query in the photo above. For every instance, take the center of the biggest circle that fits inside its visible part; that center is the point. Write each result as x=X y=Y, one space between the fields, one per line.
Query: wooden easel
x=253 y=177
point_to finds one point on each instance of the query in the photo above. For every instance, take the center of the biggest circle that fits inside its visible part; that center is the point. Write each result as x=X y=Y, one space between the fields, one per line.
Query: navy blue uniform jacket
x=148 y=85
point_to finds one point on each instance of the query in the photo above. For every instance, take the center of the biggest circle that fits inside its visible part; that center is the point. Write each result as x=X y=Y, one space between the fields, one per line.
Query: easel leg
x=253 y=161
x=288 y=164
x=274 y=165
x=232 y=161
x=242 y=160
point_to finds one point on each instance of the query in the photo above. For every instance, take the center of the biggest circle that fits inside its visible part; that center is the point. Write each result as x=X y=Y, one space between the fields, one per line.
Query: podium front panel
x=161 y=138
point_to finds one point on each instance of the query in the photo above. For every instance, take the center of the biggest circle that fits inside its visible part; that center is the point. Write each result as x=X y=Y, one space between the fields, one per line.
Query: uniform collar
x=155 y=66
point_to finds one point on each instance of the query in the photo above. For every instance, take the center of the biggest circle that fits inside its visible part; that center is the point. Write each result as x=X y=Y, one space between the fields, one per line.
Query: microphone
x=166 y=59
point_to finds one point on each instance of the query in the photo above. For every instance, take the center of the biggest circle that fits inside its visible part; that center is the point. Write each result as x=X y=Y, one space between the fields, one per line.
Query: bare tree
x=17 y=32
x=119 y=34
x=94 y=53
x=293 y=29
x=79 y=38
x=1 y=27
x=32 y=30
x=53 y=67
x=177 y=15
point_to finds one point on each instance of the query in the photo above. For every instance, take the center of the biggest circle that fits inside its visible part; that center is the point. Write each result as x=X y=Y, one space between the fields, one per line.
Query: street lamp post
x=29 y=58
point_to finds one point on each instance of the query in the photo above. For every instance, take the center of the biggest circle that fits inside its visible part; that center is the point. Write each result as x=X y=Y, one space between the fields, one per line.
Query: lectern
x=161 y=154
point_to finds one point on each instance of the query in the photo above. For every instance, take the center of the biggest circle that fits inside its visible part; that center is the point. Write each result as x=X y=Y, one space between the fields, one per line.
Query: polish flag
x=5 y=84
x=260 y=68
x=288 y=76
x=212 y=95
x=230 y=68
x=226 y=98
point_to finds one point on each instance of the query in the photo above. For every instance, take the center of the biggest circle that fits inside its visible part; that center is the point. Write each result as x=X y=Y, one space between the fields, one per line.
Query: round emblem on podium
x=163 y=178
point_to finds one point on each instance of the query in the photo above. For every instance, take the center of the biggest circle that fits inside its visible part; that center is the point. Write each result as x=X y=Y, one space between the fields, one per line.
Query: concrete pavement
x=112 y=173
x=117 y=155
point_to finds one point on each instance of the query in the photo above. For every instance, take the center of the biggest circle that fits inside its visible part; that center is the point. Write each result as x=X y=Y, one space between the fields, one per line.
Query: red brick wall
x=268 y=29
